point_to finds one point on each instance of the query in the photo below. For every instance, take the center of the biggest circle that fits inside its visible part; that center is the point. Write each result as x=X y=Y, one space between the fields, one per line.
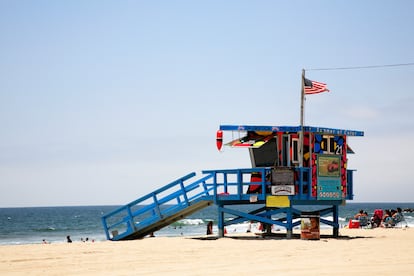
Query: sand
x=378 y=251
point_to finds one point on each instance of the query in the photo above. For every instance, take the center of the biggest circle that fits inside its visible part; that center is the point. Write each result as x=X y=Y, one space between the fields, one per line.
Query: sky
x=102 y=102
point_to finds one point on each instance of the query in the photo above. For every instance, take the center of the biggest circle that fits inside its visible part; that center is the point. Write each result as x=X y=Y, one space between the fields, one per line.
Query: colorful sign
x=310 y=227
x=329 y=165
x=283 y=190
x=277 y=201
x=329 y=189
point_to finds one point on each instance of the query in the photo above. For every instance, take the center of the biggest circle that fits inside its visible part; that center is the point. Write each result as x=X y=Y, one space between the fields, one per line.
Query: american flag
x=314 y=87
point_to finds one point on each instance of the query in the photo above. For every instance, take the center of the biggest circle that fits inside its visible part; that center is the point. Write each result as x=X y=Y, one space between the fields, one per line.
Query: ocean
x=33 y=224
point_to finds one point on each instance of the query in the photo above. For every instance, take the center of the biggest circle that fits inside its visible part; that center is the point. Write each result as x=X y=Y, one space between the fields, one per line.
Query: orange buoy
x=219 y=139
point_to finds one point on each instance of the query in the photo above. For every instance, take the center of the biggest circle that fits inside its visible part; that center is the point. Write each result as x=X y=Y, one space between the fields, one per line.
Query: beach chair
x=363 y=221
x=398 y=220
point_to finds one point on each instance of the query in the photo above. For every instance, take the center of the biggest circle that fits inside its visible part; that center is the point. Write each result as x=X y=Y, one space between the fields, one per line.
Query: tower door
x=266 y=155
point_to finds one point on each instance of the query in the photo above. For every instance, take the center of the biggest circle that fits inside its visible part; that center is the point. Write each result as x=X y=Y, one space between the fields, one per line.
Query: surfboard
x=250 y=141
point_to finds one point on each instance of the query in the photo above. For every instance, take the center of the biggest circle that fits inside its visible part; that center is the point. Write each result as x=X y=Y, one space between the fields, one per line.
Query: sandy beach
x=378 y=251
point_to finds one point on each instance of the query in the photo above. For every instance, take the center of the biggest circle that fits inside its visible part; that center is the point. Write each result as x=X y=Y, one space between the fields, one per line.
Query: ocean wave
x=191 y=222
x=47 y=229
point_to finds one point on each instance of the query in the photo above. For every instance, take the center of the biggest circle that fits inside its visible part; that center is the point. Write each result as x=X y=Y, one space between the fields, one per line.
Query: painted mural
x=329 y=167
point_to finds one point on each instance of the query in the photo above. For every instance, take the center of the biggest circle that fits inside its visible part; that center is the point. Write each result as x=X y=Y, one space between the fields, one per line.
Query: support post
x=336 y=221
x=220 y=222
x=289 y=227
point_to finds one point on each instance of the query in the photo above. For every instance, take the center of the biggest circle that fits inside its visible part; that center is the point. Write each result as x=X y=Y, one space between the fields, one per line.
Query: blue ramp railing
x=156 y=206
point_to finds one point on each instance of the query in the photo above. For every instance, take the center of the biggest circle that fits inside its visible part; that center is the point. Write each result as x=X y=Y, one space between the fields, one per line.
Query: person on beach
x=68 y=239
x=376 y=218
x=359 y=214
x=249 y=227
x=209 y=228
x=387 y=219
x=397 y=216
x=362 y=217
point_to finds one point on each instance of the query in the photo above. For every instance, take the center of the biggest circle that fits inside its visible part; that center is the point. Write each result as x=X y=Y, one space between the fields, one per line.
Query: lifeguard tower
x=295 y=171
x=282 y=184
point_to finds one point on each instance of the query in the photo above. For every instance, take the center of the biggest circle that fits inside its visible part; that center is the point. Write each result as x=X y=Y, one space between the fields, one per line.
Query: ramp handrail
x=154 y=206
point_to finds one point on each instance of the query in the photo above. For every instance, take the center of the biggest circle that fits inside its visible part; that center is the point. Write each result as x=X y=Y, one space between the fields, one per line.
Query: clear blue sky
x=102 y=102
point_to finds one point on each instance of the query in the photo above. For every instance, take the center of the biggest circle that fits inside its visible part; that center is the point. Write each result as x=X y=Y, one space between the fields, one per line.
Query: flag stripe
x=314 y=87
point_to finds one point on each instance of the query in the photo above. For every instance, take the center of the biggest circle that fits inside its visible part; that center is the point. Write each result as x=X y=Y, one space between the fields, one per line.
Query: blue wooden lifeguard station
x=295 y=170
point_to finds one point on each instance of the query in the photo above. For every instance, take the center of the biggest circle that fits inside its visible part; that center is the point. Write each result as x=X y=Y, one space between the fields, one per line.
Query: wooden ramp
x=145 y=231
x=159 y=208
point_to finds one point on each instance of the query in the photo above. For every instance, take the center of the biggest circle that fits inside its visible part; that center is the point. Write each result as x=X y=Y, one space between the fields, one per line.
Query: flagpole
x=301 y=134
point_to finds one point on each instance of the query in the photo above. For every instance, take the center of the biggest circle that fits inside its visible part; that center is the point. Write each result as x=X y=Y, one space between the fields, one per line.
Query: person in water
x=68 y=239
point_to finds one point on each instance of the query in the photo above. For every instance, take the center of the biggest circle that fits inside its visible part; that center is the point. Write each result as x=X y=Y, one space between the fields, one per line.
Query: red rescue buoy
x=219 y=139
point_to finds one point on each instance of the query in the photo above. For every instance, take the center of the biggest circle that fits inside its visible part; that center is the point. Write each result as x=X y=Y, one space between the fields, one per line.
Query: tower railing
x=186 y=195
